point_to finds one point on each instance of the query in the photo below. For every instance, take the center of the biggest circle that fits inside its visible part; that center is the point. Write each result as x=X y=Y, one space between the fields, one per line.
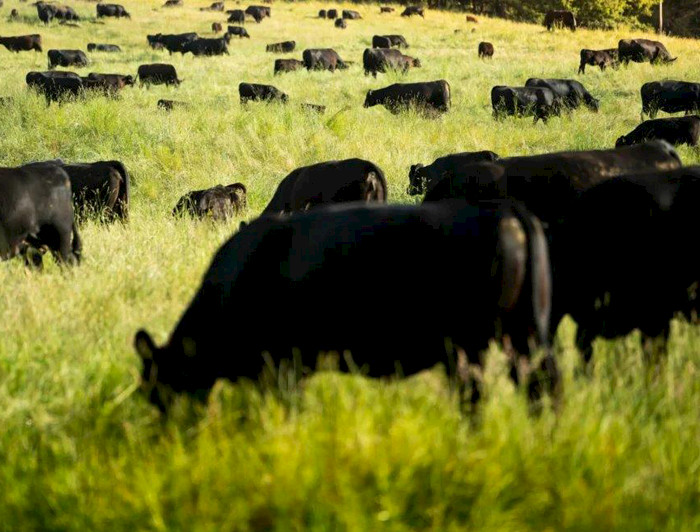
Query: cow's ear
x=144 y=345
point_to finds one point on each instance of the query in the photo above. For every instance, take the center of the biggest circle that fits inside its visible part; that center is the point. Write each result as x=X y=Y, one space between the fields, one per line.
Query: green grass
x=80 y=449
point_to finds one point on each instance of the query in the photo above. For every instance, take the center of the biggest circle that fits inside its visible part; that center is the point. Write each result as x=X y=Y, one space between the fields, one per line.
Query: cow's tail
x=540 y=272
x=77 y=245
x=121 y=207
x=376 y=183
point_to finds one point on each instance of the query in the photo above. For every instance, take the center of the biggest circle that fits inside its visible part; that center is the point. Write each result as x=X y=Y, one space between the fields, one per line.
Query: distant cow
x=422 y=178
x=110 y=84
x=413 y=10
x=485 y=50
x=239 y=31
x=173 y=3
x=322 y=13
x=386 y=9
x=281 y=47
x=332 y=13
x=389 y=41
x=218 y=203
x=216 y=6
x=599 y=58
x=472 y=18
x=287 y=65
x=351 y=15
x=675 y=131
x=571 y=92
x=158 y=74
x=207 y=46
x=169 y=105
x=340 y=23
x=383 y=59
x=329 y=182
x=237 y=16
x=22 y=43
x=47 y=12
x=642 y=51
x=258 y=12
x=564 y=19
x=670 y=97
x=525 y=101
x=216 y=27
x=111 y=10
x=112 y=48
x=36 y=210
x=172 y=43
x=66 y=58
x=258 y=92
x=428 y=96
x=322 y=59
x=55 y=85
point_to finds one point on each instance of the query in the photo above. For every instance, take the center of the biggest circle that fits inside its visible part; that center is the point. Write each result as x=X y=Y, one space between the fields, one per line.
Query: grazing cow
x=599 y=58
x=22 y=43
x=169 y=105
x=92 y=47
x=258 y=92
x=485 y=50
x=413 y=10
x=332 y=13
x=112 y=10
x=158 y=74
x=428 y=96
x=675 y=131
x=385 y=9
x=110 y=84
x=218 y=203
x=525 y=101
x=207 y=46
x=329 y=182
x=383 y=59
x=287 y=65
x=351 y=15
x=569 y=91
x=173 y=3
x=66 y=58
x=14 y=14
x=472 y=18
x=650 y=272
x=389 y=41
x=239 y=31
x=340 y=23
x=320 y=109
x=45 y=12
x=258 y=12
x=172 y=43
x=237 y=16
x=494 y=257
x=322 y=59
x=216 y=6
x=549 y=184
x=563 y=19
x=422 y=178
x=216 y=27
x=322 y=13
x=36 y=210
x=642 y=51
x=281 y=47
x=55 y=85
x=670 y=97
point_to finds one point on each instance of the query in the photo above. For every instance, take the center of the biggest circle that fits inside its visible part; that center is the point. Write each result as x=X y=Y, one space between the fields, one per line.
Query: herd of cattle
x=602 y=235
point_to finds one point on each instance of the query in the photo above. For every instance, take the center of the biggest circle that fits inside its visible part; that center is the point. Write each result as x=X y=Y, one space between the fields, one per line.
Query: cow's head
x=592 y=103
x=370 y=99
x=416 y=180
x=128 y=80
x=622 y=141
x=416 y=62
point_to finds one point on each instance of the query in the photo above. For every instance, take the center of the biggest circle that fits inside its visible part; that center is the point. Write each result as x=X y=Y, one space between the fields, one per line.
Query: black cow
x=413 y=10
x=218 y=203
x=237 y=16
x=340 y=23
x=525 y=101
x=322 y=13
x=422 y=178
x=329 y=182
x=238 y=30
x=485 y=50
x=322 y=59
x=624 y=256
x=570 y=92
x=258 y=12
x=158 y=74
x=207 y=46
x=351 y=15
x=36 y=210
x=66 y=58
x=642 y=51
x=173 y=3
x=564 y=19
x=670 y=97
x=258 y=92
x=55 y=86
x=384 y=59
x=169 y=105
x=389 y=41
x=675 y=131
x=47 y=12
x=110 y=84
x=216 y=6
x=333 y=254
x=172 y=43
x=386 y=9
x=22 y=43
x=429 y=96
x=281 y=47
x=111 y=10
x=332 y=14
x=599 y=58
x=287 y=65
x=92 y=47
x=549 y=184
x=216 y=27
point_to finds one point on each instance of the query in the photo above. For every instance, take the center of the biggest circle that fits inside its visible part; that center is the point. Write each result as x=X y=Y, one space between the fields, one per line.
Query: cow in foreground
x=493 y=258
x=675 y=131
x=539 y=102
x=428 y=96
x=422 y=178
x=571 y=92
x=670 y=97
x=329 y=182
x=218 y=203
x=562 y=19
x=599 y=58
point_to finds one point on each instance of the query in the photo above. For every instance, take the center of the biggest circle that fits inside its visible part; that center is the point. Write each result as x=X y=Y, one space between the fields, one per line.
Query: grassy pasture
x=80 y=448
